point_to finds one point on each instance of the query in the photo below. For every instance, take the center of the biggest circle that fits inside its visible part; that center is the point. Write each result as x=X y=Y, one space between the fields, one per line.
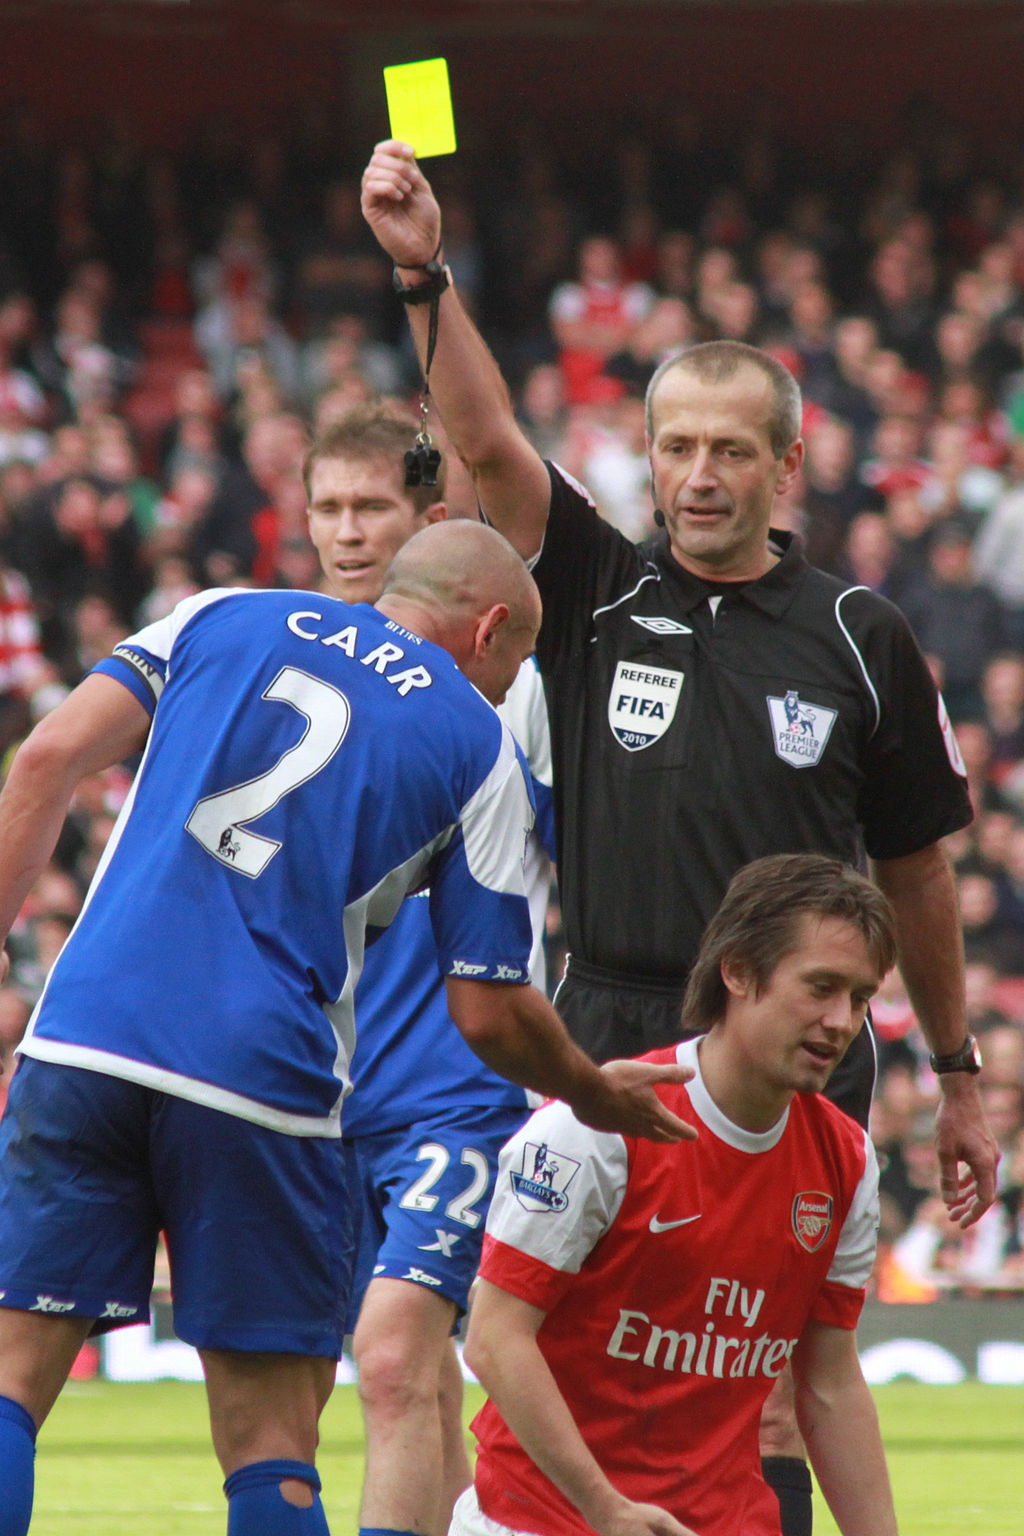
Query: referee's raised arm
x=472 y=398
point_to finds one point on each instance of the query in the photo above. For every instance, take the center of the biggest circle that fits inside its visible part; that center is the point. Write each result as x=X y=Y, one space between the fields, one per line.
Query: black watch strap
x=438 y=279
x=966 y=1059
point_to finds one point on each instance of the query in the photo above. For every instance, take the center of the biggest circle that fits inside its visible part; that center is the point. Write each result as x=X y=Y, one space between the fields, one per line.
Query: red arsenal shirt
x=676 y=1282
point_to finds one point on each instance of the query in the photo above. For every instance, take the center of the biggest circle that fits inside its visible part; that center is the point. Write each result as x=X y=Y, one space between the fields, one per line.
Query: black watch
x=966 y=1059
x=438 y=279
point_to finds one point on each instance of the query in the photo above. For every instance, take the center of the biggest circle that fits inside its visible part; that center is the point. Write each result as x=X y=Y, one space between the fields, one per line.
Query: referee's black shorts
x=612 y=1014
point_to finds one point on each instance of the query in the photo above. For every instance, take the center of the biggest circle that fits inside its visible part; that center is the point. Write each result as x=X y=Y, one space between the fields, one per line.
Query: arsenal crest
x=812 y=1219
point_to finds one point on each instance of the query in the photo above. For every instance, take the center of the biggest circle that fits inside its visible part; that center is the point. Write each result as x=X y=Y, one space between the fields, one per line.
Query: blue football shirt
x=309 y=763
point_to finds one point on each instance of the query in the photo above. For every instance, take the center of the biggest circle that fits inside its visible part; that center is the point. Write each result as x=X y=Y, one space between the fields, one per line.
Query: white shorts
x=468 y=1519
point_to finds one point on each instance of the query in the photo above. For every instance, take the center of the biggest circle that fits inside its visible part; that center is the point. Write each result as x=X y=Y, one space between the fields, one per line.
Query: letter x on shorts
x=424 y=1190
x=257 y=1224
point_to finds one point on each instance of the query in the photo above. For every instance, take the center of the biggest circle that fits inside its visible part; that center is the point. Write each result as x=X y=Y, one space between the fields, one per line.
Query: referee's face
x=714 y=473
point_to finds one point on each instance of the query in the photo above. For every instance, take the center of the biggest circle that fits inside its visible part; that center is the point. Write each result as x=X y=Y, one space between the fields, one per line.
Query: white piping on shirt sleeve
x=856 y=651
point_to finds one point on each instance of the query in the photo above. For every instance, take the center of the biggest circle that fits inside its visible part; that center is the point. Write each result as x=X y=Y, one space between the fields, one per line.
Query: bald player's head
x=463 y=586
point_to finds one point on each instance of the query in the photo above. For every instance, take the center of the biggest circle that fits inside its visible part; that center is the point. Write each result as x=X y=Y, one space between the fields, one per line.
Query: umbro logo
x=659 y=625
x=657 y=1225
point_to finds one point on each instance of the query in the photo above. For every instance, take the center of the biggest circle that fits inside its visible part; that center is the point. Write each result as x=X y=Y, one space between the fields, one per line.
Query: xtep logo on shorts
x=118 y=1309
x=420 y=1276
x=799 y=730
x=49 y=1304
x=642 y=703
x=812 y=1218
x=544 y=1176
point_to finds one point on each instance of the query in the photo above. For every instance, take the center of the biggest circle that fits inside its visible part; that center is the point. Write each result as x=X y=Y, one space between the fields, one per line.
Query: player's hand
x=963 y=1137
x=630 y=1519
x=399 y=206
x=630 y=1104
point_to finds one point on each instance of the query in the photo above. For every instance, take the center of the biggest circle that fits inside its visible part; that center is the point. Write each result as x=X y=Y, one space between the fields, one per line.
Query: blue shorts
x=424 y=1190
x=257 y=1224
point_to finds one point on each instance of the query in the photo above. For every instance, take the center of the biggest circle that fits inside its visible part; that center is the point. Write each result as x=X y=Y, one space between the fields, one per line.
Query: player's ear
x=437 y=512
x=736 y=977
x=488 y=626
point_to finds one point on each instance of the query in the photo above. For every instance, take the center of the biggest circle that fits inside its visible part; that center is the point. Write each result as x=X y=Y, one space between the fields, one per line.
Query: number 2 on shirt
x=218 y=821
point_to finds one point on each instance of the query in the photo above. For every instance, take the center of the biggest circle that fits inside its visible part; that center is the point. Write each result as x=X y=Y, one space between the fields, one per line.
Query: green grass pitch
x=120 y=1460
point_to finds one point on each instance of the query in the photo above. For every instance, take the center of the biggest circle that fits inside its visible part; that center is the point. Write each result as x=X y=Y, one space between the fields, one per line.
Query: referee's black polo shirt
x=799 y=716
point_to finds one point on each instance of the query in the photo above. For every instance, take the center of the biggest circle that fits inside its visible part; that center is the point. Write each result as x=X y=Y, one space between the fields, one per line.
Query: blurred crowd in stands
x=173 y=327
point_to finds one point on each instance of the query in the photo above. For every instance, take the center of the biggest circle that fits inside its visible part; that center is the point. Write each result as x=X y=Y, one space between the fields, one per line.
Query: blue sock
x=256 y=1506
x=17 y=1467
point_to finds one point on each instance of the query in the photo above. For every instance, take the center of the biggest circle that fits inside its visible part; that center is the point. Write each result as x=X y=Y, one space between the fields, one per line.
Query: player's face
x=791 y=1036
x=713 y=471
x=359 y=518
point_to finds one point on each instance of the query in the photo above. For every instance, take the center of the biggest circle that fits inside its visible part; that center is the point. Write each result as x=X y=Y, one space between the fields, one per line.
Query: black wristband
x=438 y=279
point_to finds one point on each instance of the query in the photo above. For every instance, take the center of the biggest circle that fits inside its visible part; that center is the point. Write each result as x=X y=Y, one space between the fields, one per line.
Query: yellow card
x=420 y=106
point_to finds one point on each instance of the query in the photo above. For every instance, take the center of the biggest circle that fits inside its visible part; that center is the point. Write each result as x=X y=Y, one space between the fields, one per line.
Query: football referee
x=713 y=699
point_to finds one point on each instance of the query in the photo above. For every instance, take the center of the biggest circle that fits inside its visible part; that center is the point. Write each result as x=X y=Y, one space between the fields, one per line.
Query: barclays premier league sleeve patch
x=543 y=1177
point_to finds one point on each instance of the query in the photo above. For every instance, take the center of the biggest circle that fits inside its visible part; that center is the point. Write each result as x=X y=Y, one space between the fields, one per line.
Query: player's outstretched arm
x=515 y=1030
x=97 y=725
x=502 y=1351
x=922 y=891
x=472 y=399
x=837 y=1418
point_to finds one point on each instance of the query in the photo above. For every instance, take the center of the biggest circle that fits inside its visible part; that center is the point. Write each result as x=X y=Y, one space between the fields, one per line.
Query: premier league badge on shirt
x=812 y=1218
x=799 y=730
x=543 y=1177
x=642 y=703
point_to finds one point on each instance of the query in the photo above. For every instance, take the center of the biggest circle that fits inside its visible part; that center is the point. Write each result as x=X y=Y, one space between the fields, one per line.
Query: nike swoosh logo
x=657 y=1225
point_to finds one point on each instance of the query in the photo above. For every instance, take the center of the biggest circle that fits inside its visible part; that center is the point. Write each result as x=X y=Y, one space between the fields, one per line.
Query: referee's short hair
x=715 y=362
x=758 y=923
x=376 y=429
